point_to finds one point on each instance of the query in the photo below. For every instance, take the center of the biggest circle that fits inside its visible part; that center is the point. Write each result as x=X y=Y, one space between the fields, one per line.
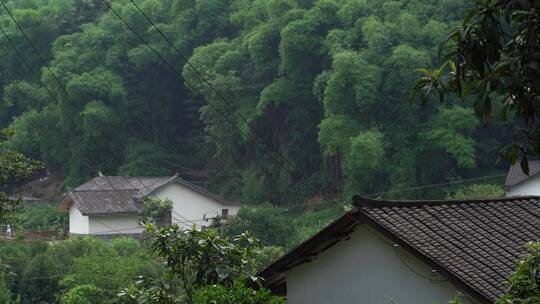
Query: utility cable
x=284 y=160
x=42 y=60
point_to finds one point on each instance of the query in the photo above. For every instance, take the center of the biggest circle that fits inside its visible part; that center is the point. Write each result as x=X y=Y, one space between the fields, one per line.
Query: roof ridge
x=96 y=190
x=361 y=201
x=136 y=177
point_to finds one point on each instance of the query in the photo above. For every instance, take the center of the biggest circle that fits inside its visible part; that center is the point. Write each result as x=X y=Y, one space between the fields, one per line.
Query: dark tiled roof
x=122 y=182
x=104 y=201
x=118 y=194
x=515 y=173
x=474 y=243
x=477 y=241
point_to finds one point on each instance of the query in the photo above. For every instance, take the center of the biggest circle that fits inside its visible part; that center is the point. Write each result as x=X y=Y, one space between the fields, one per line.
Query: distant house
x=409 y=252
x=519 y=184
x=109 y=204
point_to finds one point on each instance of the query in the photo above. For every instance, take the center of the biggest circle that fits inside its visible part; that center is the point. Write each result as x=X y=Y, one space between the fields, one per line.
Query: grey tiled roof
x=477 y=241
x=515 y=173
x=474 y=243
x=118 y=194
x=122 y=182
x=104 y=201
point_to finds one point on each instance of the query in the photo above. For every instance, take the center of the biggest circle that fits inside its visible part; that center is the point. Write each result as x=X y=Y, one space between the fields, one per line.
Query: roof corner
x=66 y=203
x=362 y=201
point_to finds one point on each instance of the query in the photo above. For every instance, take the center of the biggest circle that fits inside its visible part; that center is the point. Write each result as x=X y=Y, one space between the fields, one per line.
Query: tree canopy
x=493 y=58
x=14 y=167
x=300 y=97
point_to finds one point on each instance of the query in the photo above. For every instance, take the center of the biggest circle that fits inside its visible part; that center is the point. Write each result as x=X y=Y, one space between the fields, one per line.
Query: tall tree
x=493 y=58
x=14 y=167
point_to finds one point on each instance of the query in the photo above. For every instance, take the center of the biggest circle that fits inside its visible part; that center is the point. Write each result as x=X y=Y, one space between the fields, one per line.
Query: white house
x=409 y=252
x=519 y=184
x=108 y=205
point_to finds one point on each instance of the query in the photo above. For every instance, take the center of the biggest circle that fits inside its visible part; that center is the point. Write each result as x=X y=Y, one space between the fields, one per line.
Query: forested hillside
x=324 y=83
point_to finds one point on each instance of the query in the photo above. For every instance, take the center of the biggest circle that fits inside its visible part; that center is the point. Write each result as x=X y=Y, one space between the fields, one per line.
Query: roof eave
x=509 y=186
x=274 y=274
x=108 y=213
x=303 y=253
x=66 y=203
x=456 y=281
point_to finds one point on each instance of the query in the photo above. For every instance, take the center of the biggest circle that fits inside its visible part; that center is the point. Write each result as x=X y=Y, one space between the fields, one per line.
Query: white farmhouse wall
x=366 y=269
x=530 y=186
x=191 y=205
x=78 y=223
x=115 y=224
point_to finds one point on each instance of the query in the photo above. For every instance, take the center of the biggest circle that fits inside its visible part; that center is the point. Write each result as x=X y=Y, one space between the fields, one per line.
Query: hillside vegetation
x=324 y=84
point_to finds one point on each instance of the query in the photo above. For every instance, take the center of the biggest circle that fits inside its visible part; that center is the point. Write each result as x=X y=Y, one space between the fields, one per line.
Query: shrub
x=524 y=283
x=237 y=294
x=271 y=225
x=478 y=191
x=84 y=294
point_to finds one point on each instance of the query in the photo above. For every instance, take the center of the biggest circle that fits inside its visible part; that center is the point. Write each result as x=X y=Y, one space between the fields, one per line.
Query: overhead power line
x=26 y=64
x=43 y=61
x=282 y=159
x=436 y=185
x=53 y=74
x=265 y=144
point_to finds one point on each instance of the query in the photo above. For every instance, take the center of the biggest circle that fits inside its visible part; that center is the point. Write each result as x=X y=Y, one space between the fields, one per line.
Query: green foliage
x=145 y=291
x=364 y=158
x=480 y=61
x=84 y=294
x=237 y=294
x=309 y=223
x=5 y=293
x=254 y=190
x=14 y=167
x=211 y=269
x=269 y=224
x=266 y=255
x=335 y=133
x=40 y=218
x=300 y=78
x=524 y=283
x=278 y=228
x=200 y=258
x=146 y=159
x=76 y=270
x=478 y=191
x=39 y=281
x=155 y=210
x=109 y=267
x=450 y=131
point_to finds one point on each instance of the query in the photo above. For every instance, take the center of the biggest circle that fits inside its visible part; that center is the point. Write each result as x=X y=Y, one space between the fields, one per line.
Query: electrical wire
x=284 y=160
x=335 y=204
x=437 y=184
x=26 y=64
x=58 y=81
x=43 y=61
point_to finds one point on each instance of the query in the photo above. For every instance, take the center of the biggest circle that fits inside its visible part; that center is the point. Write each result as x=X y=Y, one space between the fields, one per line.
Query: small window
x=224 y=214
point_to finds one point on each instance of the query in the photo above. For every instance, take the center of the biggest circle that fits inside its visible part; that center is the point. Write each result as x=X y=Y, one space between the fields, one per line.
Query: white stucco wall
x=530 y=186
x=190 y=207
x=114 y=224
x=366 y=269
x=78 y=223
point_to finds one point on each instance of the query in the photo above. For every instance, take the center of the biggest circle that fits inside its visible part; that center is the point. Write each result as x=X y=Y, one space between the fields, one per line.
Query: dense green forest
x=324 y=84
x=276 y=104
x=88 y=270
